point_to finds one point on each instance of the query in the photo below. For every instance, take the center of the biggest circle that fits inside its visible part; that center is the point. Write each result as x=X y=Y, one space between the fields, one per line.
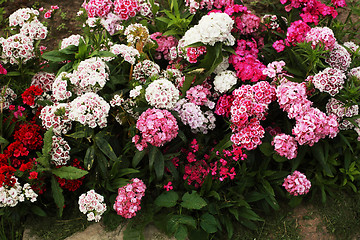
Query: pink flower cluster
x=145 y=69
x=246 y=62
x=198 y=95
x=273 y=69
x=156 y=127
x=165 y=43
x=128 y=53
x=56 y=116
x=34 y=29
x=192 y=53
x=297 y=32
x=126 y=8
x=97 y=8
x=92 y=204
x=223 y=105
x=89 y=109
x=208 y=4
x=330 y=80
x=71 y=40
x=321 y=35
x=297 y=184
x=247 y=23
x=279 y=45
x=129 y=198
x=285 y=145
x=43 y=80
x=60 y=152
x=196 y=172
x=22 y=15
x=339 y=58
x=60 y=86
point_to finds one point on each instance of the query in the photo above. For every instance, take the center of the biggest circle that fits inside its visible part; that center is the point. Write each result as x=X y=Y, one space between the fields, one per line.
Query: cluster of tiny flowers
x=212 y=28
x=339 y=58
x=246 y=62
x=192 y=115
x=297 y=32
x=223 y=106
x=162 y=94
x=112 y=23
x=10 y=196
x=97 y=8
x=22 y=15
x=174 y=75
x=145 y=69
x=352 y=46
x=56 y=116
x=129 y=198
x=31 y=94
x=90 y=75
x=273 y=69
x=321 y=35
x=355 y=72
x=271 y=22
x=117 y=100
x=60 y=85
x=128 y=53
x=60 y=152
x=297 y=184
x=34 y=29
x=146 y=9
x=249 y=136
x=7 y=96
x=165 y=43
x=248 y=23
x=279 y=45
x=17 y=47
x=338 y=108
x=135 y=91
x=72 y=40
x=92 y=204
x=43 y=80
x=126 y=8
x=330 y=80
x=285 y=145
x=136 y=33
x=313 y=126
x=208 y=4
x=89 y=109
x=192 y=53
x=198 y=95
x=156 y=127
x=196 y=172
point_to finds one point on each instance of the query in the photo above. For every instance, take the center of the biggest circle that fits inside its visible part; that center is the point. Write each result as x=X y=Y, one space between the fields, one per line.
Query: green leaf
x=176 y=220
x=78 y=134
x=71 y=49
x=47 y=142
x=127 y=171
x=167 y=199
x=55 y=56
x=279 y=158
x=38 y=211
x=153 y=154
x=89 y=157
x=208 y=223
x=266 y=149
x=119 y=182
x=57 y=195
x=105 y=147
x=4 y=141
x=181 y=232
x=159 y=165
x=13 y=74
x=106 y=54
x=229 y=227
x=69 y=172
x=319 y=155
x=139 y=155
x=249 y=214
x=193 y=201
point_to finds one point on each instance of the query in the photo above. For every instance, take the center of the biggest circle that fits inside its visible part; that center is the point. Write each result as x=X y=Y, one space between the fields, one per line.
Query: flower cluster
x=71 y=40
x=7 y=96
x=339 y=58
x=330 y=80
x=137 y=32
x=126 y=8
x=60 y=86
x=56 y=116
x=297 y=32
x=321 y=35
x=17 y=48
x=89 y=109
x=34 y=30
x=165 y=43
x=338 y=108
x=71 y=184
x=11 y=195
x=162 y=94
x=128 y=53
x=60 y=152
x=22 y=15
x=97 y=8
x=29 y=135
x=129 y=198
x=285 y=145
x=144 y=70
x=224 y=81
x=198 y=95
x=30 y=95
x=297 y=184
x=157 y=127
x=92 y=205
x=43 y=80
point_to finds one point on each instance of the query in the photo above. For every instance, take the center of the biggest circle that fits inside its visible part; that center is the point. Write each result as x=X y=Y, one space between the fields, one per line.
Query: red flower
x=71 y=185
x=33 y=175
x=2 y=70
x=28 y=134
x=30 y=94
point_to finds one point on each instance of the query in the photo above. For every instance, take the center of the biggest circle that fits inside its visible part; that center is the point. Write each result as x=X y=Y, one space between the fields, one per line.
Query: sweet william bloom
x=48 y=14
x=297 y=184
x=2 y=70
x=33 y=175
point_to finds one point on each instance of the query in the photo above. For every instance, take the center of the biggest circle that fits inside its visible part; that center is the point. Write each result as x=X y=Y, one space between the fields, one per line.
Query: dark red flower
x=29 y=135
x=30 y=94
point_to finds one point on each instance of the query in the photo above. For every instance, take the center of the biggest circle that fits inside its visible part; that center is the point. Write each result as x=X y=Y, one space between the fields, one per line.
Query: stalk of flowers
x=56 y=116
x=156 y=127
x=60 y=151
x=297 y=184
x=129 y=197
x=91 y=204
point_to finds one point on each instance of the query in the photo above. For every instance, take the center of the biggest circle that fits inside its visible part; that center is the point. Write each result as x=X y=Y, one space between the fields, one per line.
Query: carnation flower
x=92 y=204
x=97 y=8
x=321 y=35
x=71 y=40
x=224 y=81
x=34 y=29
x=17 y=47
x=10 y=196
x=285 y=145
x=330 y=80
x=60 y=152
x=145 y=69
x=22 y=15
x=89 y=109
x=137 y=33
x=355 y=72
x=297 y=184
x=279 y=45
x=56 y=116
x=60 y=86
x=198 y=95
x=128 y=53
x=7 y=96
x=43 y=80
x=126 y=8
x=112 y=23
x=162 y=94
x=352 y=46
x=339 y=58
x=297 y=32
x=29 y=135
x=156 y=127
x=129 y=198
x=31 y=94
x=338 y=108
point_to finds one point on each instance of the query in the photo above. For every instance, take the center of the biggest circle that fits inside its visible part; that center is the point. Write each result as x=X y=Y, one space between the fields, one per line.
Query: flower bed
x=196 y=115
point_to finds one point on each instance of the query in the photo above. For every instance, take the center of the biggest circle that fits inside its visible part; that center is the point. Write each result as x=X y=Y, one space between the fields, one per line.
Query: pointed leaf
x=167 y=199
x=105 y=147
x=193 y=201
x=57 y=195
x=89 y=157
x=69 y=172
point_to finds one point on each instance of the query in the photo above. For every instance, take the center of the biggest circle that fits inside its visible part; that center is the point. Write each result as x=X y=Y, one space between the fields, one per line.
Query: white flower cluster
x=339 y=58
x=7 y=96
x=222 y=66
x=162 y=94
x=22 y=15
x=56 y=116
x=355 y=72
x=330 y=80
x=60 y=85
x=60 y=152
x=212 y=28
x=92 y=205
x=137 y=33
x=338 y=108
x=191 y=114
x=72 y=40
x=89 y=109
x=34 y=29
x=43 y=80
x=116 y=101
x=135 y=92
x=128 y=53
x=145 y=69
x=224 y=81
x=11 y=196
x=90 y=76
x=352 y=46
x=17 y=47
